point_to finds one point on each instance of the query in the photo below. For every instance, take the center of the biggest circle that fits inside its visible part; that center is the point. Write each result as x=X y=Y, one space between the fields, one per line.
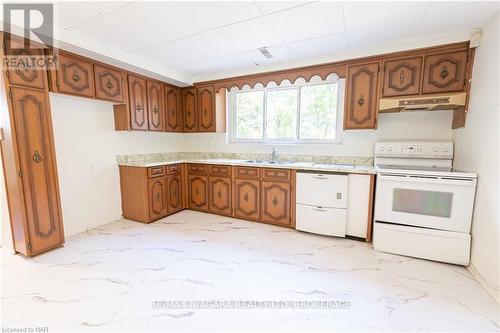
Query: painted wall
x=402 y=126
x=476 y=150
x=86 y=149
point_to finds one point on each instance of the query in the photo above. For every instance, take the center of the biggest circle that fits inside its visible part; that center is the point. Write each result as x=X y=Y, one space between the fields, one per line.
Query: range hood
x=423 y=103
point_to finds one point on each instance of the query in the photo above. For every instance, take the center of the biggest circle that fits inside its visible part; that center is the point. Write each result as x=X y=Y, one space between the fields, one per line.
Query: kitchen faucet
x=274 y=157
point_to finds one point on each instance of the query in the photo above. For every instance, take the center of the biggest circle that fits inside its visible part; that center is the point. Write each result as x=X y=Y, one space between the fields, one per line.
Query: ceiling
x=215 y=38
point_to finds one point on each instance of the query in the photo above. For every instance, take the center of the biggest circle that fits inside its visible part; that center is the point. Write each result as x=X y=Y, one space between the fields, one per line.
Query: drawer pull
x=109 y=84
x=76 y=76
x=319 y=209
x=320 y=177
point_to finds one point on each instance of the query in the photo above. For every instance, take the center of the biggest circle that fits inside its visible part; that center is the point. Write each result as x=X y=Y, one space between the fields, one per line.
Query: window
x=299 y=113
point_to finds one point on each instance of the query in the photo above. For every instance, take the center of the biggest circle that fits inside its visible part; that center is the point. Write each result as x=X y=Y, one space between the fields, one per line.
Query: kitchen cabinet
x=34 y=191
x=109 y=84
x=74 y=76
x=172 y=109
x=402 y=77
x=206 y=108
x=276 y=201
x=220 y=198
x=445 y=72
x=247 y=199
x=174 y=193
x=157 y=198
x=156 y=112
x=138 y=103
x=25 y=73
x=197 y=187
x=361 y=96
x=189 y=105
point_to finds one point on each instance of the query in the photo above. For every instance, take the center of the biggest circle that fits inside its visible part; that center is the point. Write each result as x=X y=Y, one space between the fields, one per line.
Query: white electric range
x=423 y=207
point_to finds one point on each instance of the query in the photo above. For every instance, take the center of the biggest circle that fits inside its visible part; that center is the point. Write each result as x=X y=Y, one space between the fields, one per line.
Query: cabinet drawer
x=220 y=170
x=155 y=172
x=197 y=169
x=276 y=174
x=173 y=169
x=321 y=220
x=246 y=172
x=326 y=190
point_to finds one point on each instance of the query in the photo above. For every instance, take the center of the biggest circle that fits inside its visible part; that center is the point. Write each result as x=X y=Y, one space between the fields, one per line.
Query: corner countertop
x=309 y=166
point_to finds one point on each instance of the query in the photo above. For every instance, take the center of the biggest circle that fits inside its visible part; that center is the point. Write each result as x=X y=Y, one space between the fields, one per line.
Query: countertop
x=346 y=168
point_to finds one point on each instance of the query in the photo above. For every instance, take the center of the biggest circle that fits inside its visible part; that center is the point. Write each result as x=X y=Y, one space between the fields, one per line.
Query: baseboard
x=490 y=288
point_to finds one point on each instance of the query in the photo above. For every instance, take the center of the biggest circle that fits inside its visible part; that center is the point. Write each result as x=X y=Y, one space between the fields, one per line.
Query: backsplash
x=159 y=157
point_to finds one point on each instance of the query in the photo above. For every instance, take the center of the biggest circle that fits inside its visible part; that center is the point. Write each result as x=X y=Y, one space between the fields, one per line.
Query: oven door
x=423 y=201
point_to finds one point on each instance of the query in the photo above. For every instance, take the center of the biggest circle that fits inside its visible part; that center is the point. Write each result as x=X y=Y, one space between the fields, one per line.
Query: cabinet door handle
x=158 y=197
x=138 y=107
x=444 y=73
x=361 y=100
x=245 y=197
x=275 y=201
x=155 y=109
x=197 y=191
x=76 y=76
x=402 y=77
x=37 y=157
x=219 y=194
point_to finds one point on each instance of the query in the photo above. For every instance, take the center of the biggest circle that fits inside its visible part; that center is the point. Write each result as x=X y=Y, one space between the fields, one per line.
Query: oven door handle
x=428 y=180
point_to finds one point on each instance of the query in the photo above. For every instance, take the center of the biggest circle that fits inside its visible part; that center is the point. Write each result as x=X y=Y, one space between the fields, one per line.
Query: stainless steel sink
x=268 y=162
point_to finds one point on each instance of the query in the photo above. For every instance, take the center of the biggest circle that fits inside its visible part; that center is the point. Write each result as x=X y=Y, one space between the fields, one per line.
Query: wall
x=86 y=149
x=477 y=150
x=401 y=126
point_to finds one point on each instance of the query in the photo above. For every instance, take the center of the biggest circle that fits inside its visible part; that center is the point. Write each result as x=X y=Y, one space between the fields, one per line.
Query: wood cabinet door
x=206 y=109
x=75 y=77
x=108 y=84
x=137 y=96
x=189 y=108
x=361 y=96
x=157 y=198
x=444 y=72
x=247 y=198
x=197 y=192
x=156 y=110
x=276 y=203
x=219 y=195
x=172 y=102
x=38 y=172
x=174 y=189
x=402 y=77
x=24 y=73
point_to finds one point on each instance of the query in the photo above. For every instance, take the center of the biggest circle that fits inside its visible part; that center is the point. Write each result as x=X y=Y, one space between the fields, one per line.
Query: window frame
x=232 y=114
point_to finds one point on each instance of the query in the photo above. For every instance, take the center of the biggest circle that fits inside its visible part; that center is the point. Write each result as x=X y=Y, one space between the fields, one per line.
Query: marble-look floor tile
x=109 y=278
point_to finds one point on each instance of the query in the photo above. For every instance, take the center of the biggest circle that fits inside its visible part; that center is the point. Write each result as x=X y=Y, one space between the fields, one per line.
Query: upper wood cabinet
x=74 y=76
x=206 y=108
x=219 y=195
x=39 y=193
x=276 y=202
x=109 y=84
x=24 y=74
x=172 y=109
x=189 y=110
x=402 y=77
x=137 y=103
x=156 y=111
x=445 y=72
x=361 y=96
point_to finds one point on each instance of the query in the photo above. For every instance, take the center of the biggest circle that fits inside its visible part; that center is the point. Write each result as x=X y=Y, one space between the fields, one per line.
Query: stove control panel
x=417 y=149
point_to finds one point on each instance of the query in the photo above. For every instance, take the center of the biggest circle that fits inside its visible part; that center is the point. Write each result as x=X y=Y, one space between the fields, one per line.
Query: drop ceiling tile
x=274 y=6
x=249 y=35
x=378 y=36
x=319 y=46
x=171 y=20
x=111 y=33
x=165 y=55
x=444 y=17
x=310 y=21
x=394 y=14
x=205 y=45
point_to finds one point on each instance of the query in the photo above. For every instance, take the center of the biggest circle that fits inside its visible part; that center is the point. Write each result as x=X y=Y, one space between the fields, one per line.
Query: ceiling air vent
x=266 y=53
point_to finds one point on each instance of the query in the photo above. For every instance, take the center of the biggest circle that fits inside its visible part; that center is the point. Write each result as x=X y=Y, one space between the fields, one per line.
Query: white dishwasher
x=321 y=203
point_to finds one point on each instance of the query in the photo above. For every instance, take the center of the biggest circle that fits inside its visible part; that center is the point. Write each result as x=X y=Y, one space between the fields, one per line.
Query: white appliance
x=423 y=207
x=321 y=203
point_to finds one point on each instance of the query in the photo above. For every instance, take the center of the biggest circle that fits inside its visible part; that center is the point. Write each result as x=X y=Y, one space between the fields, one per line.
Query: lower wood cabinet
x=174 y=193
x=197 y=188
x=157 y=198
x=219 y=195
x=276 y=202
x=247 y=198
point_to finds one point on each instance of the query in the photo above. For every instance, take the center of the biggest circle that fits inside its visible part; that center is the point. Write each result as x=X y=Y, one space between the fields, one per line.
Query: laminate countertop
x=307 y=166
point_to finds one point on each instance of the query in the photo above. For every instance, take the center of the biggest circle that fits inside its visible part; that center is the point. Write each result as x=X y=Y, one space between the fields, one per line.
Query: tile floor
x=126 y=276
